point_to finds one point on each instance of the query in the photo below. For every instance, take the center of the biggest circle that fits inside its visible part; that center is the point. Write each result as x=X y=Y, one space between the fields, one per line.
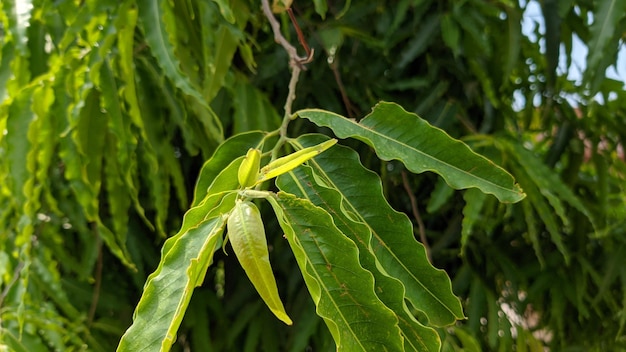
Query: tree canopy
x=133 y=130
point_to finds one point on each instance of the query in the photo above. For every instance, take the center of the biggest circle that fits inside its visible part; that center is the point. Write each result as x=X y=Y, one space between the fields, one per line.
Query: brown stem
x=416 y=214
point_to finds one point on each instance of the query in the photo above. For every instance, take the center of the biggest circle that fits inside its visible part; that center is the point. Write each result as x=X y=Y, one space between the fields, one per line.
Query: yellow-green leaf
x=247 y=236
x=293 y=160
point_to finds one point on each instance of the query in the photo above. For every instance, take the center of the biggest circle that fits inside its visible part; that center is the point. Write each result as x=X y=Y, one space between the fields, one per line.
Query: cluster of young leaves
x=359 y=258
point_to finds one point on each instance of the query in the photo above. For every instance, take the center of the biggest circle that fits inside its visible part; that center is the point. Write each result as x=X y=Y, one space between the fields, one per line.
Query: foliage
x=109 y=110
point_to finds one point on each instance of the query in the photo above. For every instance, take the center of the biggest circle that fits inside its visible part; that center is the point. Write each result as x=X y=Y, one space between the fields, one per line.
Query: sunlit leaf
x=342 y=290
x=389 y=290
x=168 y=290
x=232 y=148
x=247 y=237
x=393 y=242
x=397 y=134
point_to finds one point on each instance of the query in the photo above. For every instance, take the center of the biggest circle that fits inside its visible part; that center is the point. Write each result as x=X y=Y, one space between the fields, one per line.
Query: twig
x=295 y=62
x=416 y=215
x=350 y=110
x=309 y=52
x=14 y=278
x=294 y=59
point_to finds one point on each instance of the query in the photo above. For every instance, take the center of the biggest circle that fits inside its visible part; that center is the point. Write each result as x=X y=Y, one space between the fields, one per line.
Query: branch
x=295 y=62
x=416 y=215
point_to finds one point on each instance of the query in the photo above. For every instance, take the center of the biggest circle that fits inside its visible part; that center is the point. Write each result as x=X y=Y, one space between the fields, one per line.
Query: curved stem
x=295 y=62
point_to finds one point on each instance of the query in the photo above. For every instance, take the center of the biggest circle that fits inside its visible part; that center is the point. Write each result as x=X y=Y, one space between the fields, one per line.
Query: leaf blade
x=393 y=243
x=396 y=134
x=166 y=297
x=247 y=237
x=302 y=182
x=342 y=290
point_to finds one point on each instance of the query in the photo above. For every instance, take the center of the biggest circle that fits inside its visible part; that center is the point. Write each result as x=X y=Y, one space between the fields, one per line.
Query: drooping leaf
x=302 y=182
x=396 y=134
x=543 y=210
x=168 y=290
x=225 y=10
x=18 y=120
x=247 y=237
x=607 y=17
x=226 y=45
x=248 y=101
x=474 y=201
x=157 y=20
x=321 y=7
x=393 y=243
x=19 y=17
x=548 y=182
x=342 y=290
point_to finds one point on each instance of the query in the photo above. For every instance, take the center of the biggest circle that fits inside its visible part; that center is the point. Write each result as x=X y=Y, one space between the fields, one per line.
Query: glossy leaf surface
x=392 y=240
x=167 y=293
x=397 y=134
x=302 y=182
x=342 y=290
x=247 y=236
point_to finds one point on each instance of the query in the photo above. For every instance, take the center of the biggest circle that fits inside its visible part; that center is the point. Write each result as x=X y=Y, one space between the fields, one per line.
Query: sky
x=533 y=17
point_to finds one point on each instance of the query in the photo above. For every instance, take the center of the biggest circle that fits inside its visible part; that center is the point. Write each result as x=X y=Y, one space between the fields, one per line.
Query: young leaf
x=399 y=254
x=157 y=19
x=342 y=290
x=230 y=149
x=249 y=168
x=397 y=134
x=293 y=160
x=166 y=294
x=304 y=184
x=247 y=236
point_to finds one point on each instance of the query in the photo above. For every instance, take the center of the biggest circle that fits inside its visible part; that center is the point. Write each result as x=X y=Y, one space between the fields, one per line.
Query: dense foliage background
x=106 y=124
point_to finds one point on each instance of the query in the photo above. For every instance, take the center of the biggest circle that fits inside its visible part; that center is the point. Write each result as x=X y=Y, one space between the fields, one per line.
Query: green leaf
x=219 y=199
x=398 y=253
x=543 y=210
x=439 y=196
x=342 y=290
x=291 y=161
x=450 y=33
x=247 y=237
x=474 y=201
x=225 y=10
x=303 y=183
x=157 y=19
x=230 y=149
x=18 y=121
x=419 y=41
x=19 y=13
x=253 y=111
x=605 y=20
x=548 y=182
x=395 y=133
x=226 y=45
x=168 y=290
x=321 y=7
